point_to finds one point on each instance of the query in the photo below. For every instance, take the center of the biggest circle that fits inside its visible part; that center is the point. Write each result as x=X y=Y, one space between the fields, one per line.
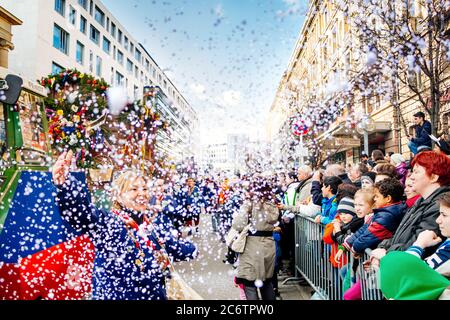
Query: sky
x=226 y=57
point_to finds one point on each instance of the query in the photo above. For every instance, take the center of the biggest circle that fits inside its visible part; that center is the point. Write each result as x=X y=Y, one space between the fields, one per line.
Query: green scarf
x=406 y=277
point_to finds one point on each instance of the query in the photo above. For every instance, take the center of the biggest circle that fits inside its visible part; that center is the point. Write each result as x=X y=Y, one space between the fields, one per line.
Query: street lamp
x=366 y=125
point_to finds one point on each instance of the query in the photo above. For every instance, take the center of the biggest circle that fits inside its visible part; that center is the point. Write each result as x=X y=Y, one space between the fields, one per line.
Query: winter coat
x=301 y=193
x=422 y=137
x=257 y=262
x=421 y=216
x=115 y=274
x=402 y=172
x=382 y=226
x=347 y=229
x=329 y=210
x=333 y=246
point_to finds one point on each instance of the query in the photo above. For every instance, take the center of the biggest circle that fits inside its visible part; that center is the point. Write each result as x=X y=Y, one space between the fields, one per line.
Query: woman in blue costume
x=132 y=251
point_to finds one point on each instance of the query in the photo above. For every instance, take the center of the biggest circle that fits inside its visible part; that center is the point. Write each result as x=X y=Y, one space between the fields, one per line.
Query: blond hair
x=367 y=195
x=123 y=183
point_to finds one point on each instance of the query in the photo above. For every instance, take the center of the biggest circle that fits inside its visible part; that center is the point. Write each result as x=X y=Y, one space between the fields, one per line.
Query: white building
x=83 y=34
x=229 y=156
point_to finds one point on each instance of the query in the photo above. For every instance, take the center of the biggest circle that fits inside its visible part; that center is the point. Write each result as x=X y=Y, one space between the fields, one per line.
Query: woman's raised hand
x=61 y=168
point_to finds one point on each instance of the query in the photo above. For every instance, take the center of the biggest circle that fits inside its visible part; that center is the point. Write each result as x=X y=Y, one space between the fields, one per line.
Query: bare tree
x=407 y=39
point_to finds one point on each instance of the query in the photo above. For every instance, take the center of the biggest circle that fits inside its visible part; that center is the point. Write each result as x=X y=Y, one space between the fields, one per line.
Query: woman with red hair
x=431 y=179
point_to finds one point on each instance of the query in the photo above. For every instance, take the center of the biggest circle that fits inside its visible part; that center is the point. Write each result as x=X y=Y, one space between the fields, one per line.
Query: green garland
x=75 y=101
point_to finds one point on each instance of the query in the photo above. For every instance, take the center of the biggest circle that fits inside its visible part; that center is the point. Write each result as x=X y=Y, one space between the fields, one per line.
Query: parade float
x=42 y=257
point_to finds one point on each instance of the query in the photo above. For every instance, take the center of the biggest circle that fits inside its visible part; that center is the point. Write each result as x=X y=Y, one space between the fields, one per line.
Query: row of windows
x=100 y=17
x=61 y=41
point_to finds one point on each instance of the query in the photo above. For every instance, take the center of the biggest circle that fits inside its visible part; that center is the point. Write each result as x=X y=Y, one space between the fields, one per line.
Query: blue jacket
x=423 y=134
x=382 y=226
x=115 y=274
x=329 y=209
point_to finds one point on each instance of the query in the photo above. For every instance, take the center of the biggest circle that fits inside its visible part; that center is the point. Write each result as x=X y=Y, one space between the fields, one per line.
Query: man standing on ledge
x=422 y=139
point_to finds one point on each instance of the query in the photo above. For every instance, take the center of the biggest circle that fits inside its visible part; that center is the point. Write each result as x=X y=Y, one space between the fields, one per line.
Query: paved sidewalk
x=213 y=279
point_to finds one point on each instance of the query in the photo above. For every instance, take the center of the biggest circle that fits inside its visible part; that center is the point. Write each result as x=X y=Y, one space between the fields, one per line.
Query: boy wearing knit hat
x=345 y=223
x=349 y=223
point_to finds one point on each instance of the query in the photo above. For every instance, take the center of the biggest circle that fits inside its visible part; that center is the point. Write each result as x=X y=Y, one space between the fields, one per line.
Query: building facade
x=229 y=156
x=83 y=34
x=7 y=21
x=331 y=67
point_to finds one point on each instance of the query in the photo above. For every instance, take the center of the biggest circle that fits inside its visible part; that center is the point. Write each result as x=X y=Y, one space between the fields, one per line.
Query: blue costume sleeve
x=74 y=203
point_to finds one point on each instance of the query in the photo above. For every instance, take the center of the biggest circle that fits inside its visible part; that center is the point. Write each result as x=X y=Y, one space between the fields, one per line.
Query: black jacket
x=347 y=229
x=423 y=135
x=421 y=216
x=316 y=193
x=345 y=179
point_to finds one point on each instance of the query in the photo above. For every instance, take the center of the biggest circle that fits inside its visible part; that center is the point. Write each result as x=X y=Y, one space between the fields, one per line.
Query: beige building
x=83 y=34
x=329 y=69
x=7 y=21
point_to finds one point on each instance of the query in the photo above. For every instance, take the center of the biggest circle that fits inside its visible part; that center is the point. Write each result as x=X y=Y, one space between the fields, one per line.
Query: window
x=119 y=36
x=147 y=65
x=95 y=35
x=99 y=16
x=107 y=24
x=129 y=66
x=56 y=68
x=60 y=39
x=98 y=67
x=83 y=23
x=72 y=15
x=60 y=7
x=136 y=72
x=126 y=43
x=80 y=53
x=91 y=7
x=138 y=55
x=112 y=76
x=120 y=57
x=131 y=48
x=83 y=3
x=113 y=30
x=119 y=79
x=106 y=45
x=91 y=61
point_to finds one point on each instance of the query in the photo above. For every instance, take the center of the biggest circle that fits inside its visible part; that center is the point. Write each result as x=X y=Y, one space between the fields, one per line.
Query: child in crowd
x=363 y=207
x=329 y=202
x=402 y=275
x=368 y=180
x=346 y=222
x=387 y=215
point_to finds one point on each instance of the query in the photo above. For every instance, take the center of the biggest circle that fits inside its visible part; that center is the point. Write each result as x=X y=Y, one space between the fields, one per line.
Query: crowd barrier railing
x=313 y=264
x=370 y=285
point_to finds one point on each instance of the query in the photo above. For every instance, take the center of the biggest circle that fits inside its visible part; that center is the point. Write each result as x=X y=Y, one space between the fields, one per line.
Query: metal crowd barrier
x=313 y=264
x=370 y=285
